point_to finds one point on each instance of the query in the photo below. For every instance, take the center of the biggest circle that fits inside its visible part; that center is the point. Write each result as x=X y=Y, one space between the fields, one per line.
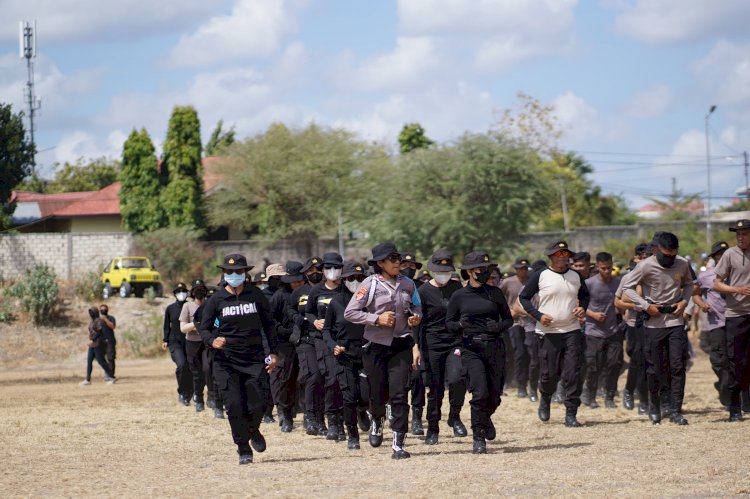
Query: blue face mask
x=234 y=280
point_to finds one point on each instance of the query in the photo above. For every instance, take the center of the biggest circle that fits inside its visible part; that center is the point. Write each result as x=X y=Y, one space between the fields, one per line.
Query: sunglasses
x=355 y=277
x=394 y=258
x=238 y=272
x=560 y=253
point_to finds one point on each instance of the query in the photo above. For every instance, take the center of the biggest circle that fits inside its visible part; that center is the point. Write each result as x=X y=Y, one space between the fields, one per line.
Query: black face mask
x=408 y=272
x=315 y=278
x=199 y=294
x=483 y=276
x=274 y=282
x=104 y=313
x=665 y=261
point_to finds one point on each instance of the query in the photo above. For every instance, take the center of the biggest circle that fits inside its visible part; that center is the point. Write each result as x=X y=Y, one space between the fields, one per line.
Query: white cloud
x=82 y=144
x=583 y=124
x=671 y=21
x=651 y=102
x=68 y=20
x=727 y=67
x=254 y=28
x=407 y=67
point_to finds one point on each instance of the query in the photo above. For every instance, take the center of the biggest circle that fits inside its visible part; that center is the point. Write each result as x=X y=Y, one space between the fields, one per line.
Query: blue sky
x=631 y=80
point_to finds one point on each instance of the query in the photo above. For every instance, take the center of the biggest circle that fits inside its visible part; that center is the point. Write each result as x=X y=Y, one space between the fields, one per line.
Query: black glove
x=299 y=319
x=493 y=326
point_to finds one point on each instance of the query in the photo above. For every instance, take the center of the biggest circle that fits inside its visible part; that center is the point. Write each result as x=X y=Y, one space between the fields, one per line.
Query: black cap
x=235 y=261
x=556 y=246
x=383 y=251
x=740 y=224
x=181 y=286
x=333 y=259
x=521 y=263
x=353 y=267
x=441 y=261
x=293 y=272
x=410 y=258
x=311 y=262
x=717 y=247
x=474 y=260
x=538 y=265
x=258 y=277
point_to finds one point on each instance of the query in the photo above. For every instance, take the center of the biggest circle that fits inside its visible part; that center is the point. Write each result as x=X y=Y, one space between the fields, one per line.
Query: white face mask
x=181 y=296
x=442 y=277
x=353 y=285
x=332 y=274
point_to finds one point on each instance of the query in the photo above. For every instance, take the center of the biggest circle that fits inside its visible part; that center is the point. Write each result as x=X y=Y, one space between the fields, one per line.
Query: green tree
x=16 y=156
x=477 y=193
x=289 y=183
x=177 y=252
x=182 y=197
x=677 y=206
x=33 y=183
x=220 y=140
x=140 y=201
x=84 y=175
x=413 y=137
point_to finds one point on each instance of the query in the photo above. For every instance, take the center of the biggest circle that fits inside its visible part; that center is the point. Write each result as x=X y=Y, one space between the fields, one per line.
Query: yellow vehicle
x=130 y=274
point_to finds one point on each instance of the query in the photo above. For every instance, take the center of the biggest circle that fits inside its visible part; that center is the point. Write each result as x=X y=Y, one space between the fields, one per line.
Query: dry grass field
x=133 y=440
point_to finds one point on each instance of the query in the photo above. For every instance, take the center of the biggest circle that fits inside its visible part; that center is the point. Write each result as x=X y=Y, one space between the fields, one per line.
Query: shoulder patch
x=361 y=292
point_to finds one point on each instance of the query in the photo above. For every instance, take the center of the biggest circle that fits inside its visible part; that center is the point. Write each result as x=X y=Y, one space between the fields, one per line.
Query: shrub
x=176 y=252
x=144 y=340
x=149 y=295
x=38 y=293
x=89 y=287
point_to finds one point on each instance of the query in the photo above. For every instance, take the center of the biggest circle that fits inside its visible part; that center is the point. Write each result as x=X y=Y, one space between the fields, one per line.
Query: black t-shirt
x=432 y=331
x=470 y=308
x=172 y=333
x=296 y=309
x=279 y=303
x=339 y=331
x=243 y=320
x=317 y=303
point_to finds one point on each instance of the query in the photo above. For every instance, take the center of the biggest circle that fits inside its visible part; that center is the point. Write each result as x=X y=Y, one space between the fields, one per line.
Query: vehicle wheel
x=107 y=291
x=159 y=290
x=138 y=291
x=125 y=289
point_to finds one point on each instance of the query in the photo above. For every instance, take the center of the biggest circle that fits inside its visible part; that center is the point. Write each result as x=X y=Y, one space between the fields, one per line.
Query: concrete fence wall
x=70 y=255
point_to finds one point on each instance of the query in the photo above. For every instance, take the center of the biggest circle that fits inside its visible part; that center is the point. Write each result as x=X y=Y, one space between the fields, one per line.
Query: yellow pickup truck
x=126 y=275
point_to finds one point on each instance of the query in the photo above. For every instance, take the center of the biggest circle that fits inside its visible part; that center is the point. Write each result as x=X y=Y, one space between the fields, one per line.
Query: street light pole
x=708 y=173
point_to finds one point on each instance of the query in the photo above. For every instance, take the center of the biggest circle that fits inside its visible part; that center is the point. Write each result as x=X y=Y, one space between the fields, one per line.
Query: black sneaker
x=376 y=433
x=218 y=413
x=363 y=419
x=735 y=416
x=544 y=408
x=533 y=397
x=480 y=446
x=627 y=400
x=571 y=421
x=459 y=430
x=491 y=433
x=398 y=446
x=431 y=438
x=199 y=407
x=246 y=455
x=678 y=419
x=257 y=441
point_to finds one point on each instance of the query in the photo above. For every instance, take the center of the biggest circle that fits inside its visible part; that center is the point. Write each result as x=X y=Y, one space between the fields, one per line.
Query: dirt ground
x=132 y=439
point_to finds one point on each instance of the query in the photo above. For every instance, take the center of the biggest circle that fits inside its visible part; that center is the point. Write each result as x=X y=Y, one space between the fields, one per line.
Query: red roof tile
x=103 y=202
x=49 y=204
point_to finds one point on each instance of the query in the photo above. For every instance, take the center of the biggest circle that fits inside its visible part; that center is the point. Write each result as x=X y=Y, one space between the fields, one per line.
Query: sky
x=631 y=81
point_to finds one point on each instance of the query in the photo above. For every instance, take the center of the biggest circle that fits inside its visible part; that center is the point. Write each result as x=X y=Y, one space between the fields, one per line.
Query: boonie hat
x=235 y=261
x=383 y=251
x=740 y=224
x=311 y=262
x=521 y=263
x=410 y=258
x=293 y=272
x=441 y=261
x=274 y=270
x=717 y=247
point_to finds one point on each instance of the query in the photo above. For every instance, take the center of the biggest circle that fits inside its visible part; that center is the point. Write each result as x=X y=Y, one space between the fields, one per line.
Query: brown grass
x=132 y=439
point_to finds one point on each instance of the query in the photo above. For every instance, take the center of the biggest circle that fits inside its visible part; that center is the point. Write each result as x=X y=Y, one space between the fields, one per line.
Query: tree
x=412 y=137
x=85 y=176
x=140 y=192
x=220 y=140
x=533 y=124
x=182 y=197
x=16 y=159
x=477 y=193
x=290 y=183
x=677 y=206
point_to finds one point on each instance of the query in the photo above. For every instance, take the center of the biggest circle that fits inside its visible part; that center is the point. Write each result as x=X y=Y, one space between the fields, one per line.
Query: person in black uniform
x=480 y=315
x=214 y=396
x=240 y=366
x=270 y=282
x=110 y=342
x=344 y=340
x=320 y=296
x=309 y=373
x=409 y=267
x=174 y=340
x=440 y=347
x=284 y=378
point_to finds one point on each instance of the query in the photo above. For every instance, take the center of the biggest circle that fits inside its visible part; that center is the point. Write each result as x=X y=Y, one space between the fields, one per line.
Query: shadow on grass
x=498 y=449
x=607 y=423
x=511 y=450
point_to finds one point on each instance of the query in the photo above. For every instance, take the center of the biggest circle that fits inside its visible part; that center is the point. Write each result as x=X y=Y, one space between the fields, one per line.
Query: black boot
x=627 y=399
x=490 y=433
x=333 y=430
x=745 y=396
x=285 y=418
x=609 y=400
x=258 y=441
x=654 y=412
x=544 y=407
x=454 y=421
x=246 y=454
x=363 y=419
x=320 y=423
x=735 y=415
x=522 y=393
x=311 y=424
x=353 y=443
x=676 y=416
x=398 y=446
x=570 y=418
x=479 y=443
x=432 y=437
x=376 y=432
x=588 y=398
x=533 y=397
x=416 y=421
x=340 y=428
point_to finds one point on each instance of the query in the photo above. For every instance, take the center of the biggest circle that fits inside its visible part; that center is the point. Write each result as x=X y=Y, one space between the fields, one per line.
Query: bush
x=149 y=295
x=6 y=312
x=89 y=287
x=144 y=341
x=38 y=292
x=176 y=252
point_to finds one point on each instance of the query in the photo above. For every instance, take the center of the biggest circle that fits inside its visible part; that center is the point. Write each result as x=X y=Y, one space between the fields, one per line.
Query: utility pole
x=747 y=185
x=27 y=50
x=564 y=201
x=708 y=174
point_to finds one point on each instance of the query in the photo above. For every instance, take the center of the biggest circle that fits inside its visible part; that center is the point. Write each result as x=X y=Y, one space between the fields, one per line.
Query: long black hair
x=94 y=313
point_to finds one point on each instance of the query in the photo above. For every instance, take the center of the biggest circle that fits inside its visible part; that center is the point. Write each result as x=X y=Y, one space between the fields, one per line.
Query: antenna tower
x=27 y=50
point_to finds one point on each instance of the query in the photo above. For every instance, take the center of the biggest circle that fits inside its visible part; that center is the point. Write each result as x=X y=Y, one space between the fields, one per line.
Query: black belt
x=307 y=339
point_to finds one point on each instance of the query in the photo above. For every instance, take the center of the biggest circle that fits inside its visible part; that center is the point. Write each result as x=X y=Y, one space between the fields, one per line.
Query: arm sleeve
x=208 y=316
x=269 y=325
x=453 y=315
x=166 y=326
x=329 y=326
x=633 y=279
x=506 y=318
x=311 y=307
x=527 y=293
x=278 y=309
x=687 y=285
x=355 y=311
x=583 y=294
